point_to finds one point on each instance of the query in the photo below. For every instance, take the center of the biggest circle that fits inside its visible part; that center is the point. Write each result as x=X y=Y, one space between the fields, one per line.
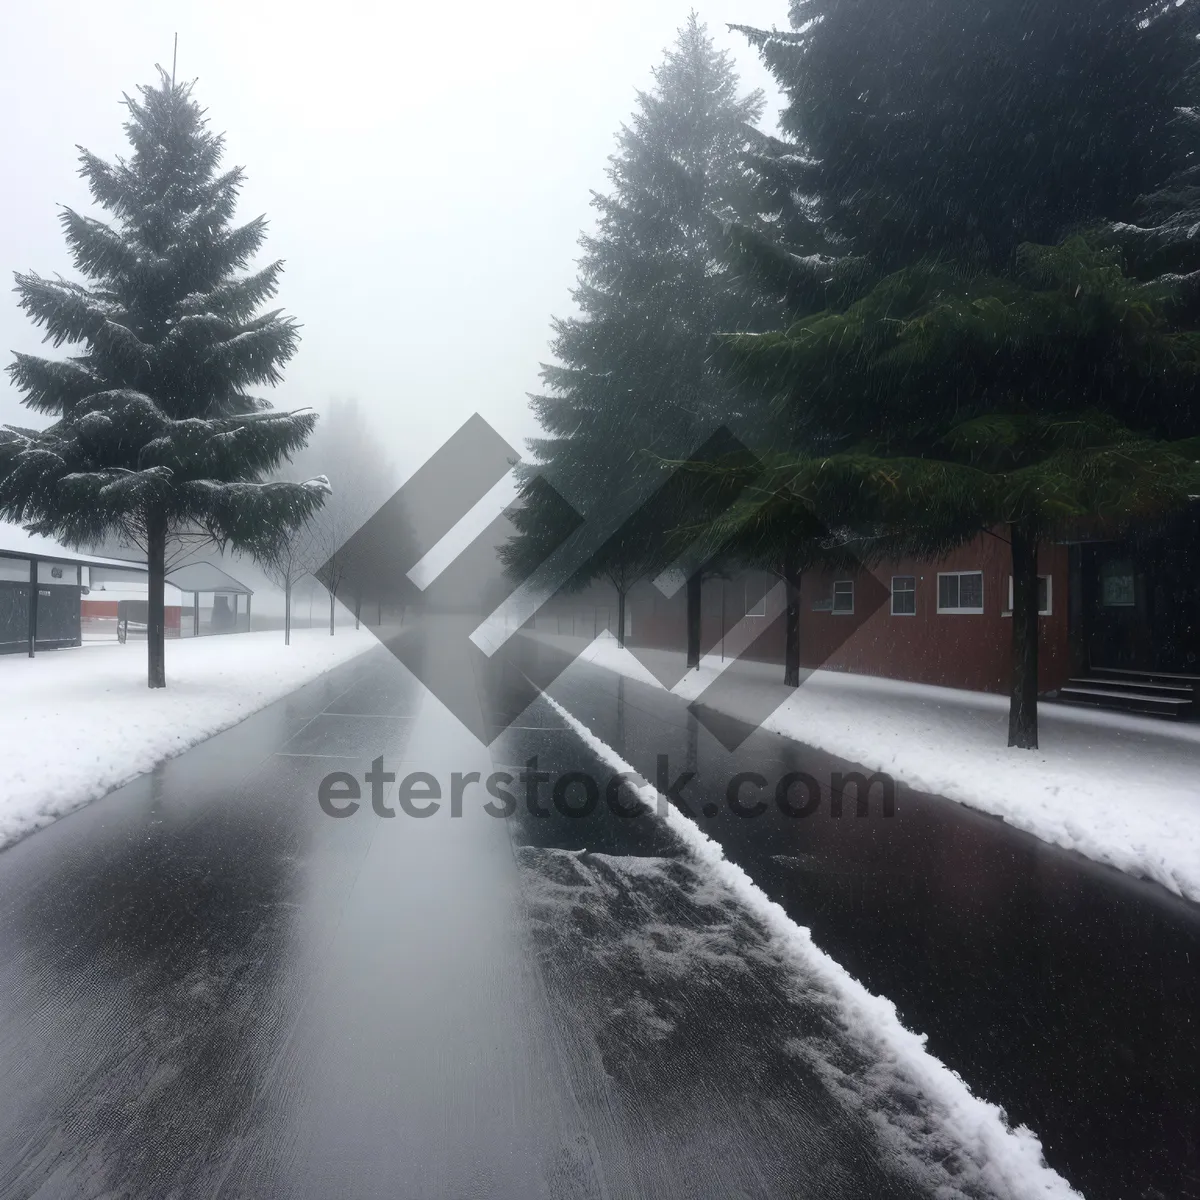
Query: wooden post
x=695 y=584
x=791 y=637
x=1023 y=698
x=722 y=620
x=33 y=604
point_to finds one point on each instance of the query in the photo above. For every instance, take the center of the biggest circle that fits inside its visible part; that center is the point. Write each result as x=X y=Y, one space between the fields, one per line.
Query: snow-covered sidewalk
x=1123 y=790
x=77 y=723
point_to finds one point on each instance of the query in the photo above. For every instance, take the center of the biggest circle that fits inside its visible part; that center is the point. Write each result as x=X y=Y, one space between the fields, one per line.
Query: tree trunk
x=287 y=613
x=621 y=618
x=332 y=604
x=791 y=630
x=694 y=590
x=357 y=610
x=1022 y=711
x=156 y=591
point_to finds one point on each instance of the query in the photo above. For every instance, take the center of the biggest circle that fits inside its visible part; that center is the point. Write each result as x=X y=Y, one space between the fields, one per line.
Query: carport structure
x=205 y=578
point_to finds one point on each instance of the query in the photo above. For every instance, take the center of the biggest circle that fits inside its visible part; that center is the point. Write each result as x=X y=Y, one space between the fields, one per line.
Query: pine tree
x=939 y=132
x=962 y=128
x=631 y=384
x=156 y=438
x=945 y=403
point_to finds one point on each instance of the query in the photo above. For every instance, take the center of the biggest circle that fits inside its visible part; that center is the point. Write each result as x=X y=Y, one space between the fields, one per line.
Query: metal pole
x=33 y=604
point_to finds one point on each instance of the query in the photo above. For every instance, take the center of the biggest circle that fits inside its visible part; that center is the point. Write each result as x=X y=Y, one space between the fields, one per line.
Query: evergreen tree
x=966 y=127
x=632 y=383
x=156 y=438
x=944 y=404
x=935 y=131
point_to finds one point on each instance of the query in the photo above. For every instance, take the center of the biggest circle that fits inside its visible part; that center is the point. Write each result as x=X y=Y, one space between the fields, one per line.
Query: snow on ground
x=77 y=723
x=1120 y=789
x=947 y=1139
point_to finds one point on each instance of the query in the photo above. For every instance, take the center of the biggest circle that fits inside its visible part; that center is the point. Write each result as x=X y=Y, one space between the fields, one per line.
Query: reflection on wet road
x=209 y=987
x=1063 y=990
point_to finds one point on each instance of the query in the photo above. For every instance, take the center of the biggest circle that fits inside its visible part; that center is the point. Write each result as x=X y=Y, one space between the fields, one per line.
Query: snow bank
x=77 y=723
x=947 y=1139
x=1120 y=789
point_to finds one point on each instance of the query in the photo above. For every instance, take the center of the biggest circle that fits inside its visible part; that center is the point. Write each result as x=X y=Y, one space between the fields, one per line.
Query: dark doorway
x=1141 y=598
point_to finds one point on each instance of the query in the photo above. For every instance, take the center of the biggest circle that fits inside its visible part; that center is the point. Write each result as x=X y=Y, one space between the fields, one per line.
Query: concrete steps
x=1150 y=693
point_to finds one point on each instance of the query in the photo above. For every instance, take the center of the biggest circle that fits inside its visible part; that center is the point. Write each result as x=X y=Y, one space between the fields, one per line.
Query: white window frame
x=758 y=608
x=841 y=612
x=907 y=591
x=966 y=612
x=1048 y=611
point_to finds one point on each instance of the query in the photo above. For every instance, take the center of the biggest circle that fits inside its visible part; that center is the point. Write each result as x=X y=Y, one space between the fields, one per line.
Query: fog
x=426 y=171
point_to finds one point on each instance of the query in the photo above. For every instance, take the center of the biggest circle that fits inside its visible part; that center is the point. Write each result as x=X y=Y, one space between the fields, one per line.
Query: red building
x=946 y=622
x=1120 y=619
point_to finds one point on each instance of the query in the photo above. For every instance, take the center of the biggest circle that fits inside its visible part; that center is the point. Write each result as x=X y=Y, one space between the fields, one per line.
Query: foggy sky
x=426 y=170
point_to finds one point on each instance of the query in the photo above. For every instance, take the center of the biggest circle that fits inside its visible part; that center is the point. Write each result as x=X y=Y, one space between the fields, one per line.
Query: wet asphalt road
x=1063 y=990
x=210 y=988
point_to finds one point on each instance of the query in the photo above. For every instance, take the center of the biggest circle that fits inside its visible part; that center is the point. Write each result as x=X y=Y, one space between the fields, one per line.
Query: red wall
x=964 y=650
x=108 y=609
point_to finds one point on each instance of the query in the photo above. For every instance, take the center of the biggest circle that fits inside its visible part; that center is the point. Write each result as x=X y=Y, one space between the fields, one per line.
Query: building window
x=843 y=596
x=1045 y=596
x=904 y=595
x=756 y=605
x=14 y=570
x=1117 y=584
x=53 y=573
x=960 y=592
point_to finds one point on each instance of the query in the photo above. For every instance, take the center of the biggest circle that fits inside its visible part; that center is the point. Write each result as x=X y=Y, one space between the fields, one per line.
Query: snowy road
x=1063 y=990
x=210 y=987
